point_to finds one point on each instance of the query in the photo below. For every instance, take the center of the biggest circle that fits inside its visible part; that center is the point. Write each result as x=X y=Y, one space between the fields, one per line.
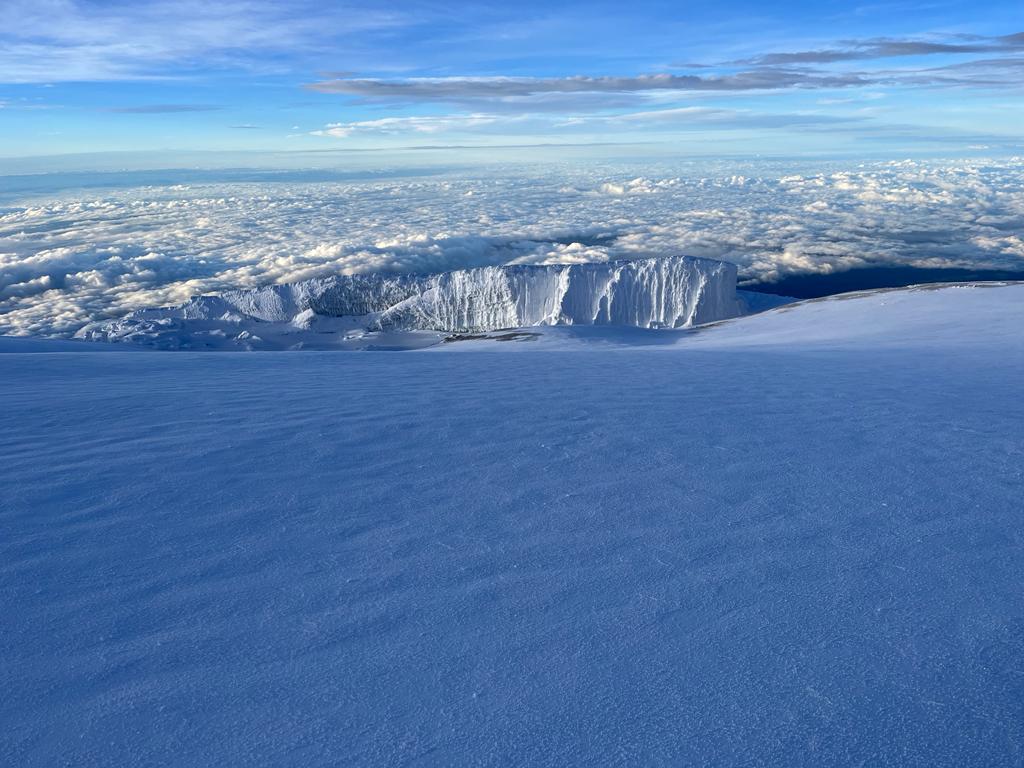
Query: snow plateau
x=793 y=539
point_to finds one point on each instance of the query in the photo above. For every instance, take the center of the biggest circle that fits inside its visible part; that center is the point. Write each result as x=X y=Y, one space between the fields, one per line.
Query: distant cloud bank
x=67 y=261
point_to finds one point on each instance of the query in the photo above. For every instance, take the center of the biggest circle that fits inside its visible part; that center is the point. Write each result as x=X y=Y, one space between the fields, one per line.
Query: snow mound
x=673 y=292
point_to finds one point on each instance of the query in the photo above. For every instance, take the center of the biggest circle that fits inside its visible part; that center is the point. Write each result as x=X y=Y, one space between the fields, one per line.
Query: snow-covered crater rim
x=670 y=292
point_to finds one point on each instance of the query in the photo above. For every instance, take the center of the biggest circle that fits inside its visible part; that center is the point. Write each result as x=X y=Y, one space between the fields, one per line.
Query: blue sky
x=703 y=77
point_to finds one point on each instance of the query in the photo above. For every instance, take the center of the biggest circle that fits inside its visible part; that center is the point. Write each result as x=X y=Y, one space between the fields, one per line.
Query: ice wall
x=651 y=293
x=672 y=292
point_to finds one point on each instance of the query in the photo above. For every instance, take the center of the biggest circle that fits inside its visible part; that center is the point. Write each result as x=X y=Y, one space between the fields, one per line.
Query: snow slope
x=726 y=546
x=674 y=292
x=934 y=315
x=32 y=344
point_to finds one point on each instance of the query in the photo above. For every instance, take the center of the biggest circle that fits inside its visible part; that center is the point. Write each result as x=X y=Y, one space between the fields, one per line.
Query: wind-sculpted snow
x=787 y=540
x=676 y=292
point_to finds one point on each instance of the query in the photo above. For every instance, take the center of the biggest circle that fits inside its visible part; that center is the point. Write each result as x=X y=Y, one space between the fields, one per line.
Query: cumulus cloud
x=67 y=261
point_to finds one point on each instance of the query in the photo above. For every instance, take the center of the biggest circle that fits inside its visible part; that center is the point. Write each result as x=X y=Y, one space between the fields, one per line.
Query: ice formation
x=672 y=292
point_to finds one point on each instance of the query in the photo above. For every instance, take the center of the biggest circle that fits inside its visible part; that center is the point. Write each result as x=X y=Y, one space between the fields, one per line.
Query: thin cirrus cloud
x=886 y=48
x=699 y=117
x=417 y=68
x=679 y=119
x=774 y=71
x=410 y=124
x=46 y=41
x=455 y=89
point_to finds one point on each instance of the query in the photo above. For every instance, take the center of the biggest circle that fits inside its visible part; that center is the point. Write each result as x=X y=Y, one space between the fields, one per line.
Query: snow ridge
x=672 y=292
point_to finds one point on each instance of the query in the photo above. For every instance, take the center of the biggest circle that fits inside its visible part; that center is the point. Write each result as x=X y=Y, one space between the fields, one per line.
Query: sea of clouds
x=69 y=258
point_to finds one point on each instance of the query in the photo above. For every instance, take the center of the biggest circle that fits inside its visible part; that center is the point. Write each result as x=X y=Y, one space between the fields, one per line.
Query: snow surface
x=673 y=292
x=788 y=539
x=31 y=344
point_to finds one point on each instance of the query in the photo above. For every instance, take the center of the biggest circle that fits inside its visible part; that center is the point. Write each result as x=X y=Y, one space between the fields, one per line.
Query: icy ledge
x=673 y=292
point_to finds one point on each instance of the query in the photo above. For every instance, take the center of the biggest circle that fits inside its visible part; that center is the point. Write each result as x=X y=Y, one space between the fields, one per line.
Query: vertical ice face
x=651 y=293
x=674 y=292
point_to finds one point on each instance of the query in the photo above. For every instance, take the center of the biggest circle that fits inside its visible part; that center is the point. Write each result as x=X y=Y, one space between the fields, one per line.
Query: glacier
x=790 y=539
x=669 y=292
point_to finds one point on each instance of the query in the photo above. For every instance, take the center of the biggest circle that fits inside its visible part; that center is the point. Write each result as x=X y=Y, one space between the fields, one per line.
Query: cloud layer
x=517 y=89
x=67 y=261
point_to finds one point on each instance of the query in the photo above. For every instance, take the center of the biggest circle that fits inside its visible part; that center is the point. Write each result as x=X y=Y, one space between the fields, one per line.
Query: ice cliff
x=673 y=292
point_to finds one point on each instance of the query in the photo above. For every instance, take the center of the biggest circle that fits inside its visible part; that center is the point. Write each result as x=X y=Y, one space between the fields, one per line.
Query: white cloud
x=673 y=119
x=45 y=41
x=577 y=90
x=69 y=260
x=412 y=124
